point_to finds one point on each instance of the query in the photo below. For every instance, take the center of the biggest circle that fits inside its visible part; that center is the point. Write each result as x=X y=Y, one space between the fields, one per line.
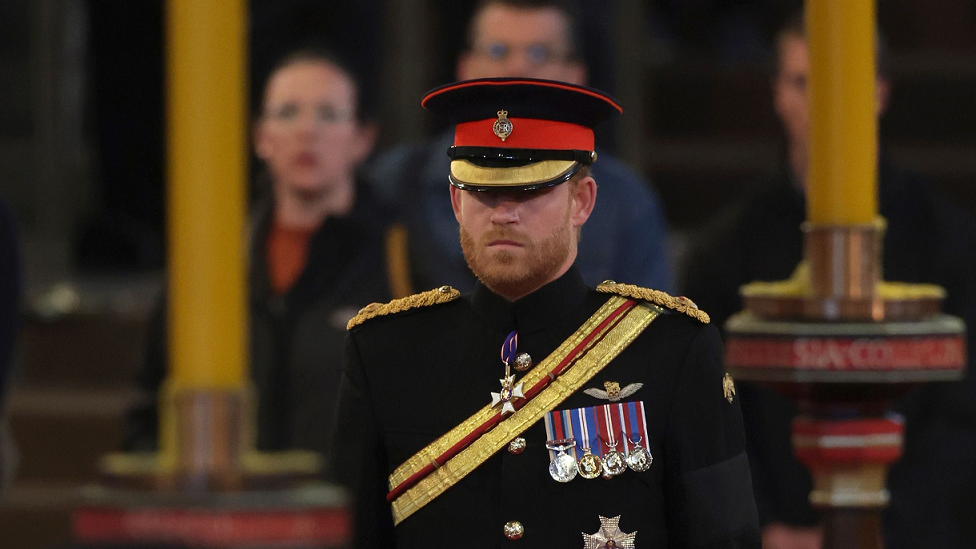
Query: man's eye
x=538 y=54
x=497 y=51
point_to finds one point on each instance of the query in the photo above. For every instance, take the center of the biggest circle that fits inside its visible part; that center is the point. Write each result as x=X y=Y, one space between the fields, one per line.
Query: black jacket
x=296 y=339
x=413 y=376
x=933 y=488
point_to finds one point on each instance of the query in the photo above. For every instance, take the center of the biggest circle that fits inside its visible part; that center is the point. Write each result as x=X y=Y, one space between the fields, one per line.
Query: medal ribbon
x=509 y=347
x=584 y=423
x=608 y=417
x=566 y=416
x=636 y=424
x=621 y=413
x=559 y=427
x=581 y=428
x=593 y=427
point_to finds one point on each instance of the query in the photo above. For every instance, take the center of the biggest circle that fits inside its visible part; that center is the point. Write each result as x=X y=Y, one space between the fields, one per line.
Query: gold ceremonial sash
x=613 y=339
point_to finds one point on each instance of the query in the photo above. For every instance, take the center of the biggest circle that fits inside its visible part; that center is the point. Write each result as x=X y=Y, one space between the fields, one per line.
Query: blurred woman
x=318 y=244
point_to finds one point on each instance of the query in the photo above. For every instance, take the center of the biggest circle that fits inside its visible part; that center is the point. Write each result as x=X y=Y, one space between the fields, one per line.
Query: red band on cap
x=527 y=133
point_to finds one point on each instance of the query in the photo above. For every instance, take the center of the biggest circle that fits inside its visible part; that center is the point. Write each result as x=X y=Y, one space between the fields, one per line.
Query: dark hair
x=568 y=8
x=796 y=27
x=313 y=53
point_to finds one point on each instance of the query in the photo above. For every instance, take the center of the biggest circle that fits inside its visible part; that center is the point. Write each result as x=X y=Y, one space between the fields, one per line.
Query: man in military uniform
x=613 y=420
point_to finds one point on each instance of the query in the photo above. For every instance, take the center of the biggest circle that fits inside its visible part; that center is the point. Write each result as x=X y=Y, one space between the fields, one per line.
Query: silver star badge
x=609 y=536
x=509 y=392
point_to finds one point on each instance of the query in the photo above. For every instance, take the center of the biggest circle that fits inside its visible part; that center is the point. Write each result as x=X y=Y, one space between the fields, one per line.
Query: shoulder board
x=678 y=304
x=423 y=299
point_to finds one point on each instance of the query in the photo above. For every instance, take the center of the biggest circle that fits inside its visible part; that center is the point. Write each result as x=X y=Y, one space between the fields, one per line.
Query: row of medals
x=564 y=468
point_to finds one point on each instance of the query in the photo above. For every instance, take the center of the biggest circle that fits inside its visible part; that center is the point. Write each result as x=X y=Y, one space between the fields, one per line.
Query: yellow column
x=841 y=185
x=206 y=148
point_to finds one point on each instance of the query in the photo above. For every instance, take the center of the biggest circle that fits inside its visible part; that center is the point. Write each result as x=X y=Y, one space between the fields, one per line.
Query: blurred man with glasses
x=532 y=39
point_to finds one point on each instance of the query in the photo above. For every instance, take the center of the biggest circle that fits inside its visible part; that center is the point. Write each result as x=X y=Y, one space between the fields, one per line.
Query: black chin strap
x=519 y=156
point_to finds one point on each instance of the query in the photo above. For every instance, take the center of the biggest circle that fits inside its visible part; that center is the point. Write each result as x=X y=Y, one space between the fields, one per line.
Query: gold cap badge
x=503 y=126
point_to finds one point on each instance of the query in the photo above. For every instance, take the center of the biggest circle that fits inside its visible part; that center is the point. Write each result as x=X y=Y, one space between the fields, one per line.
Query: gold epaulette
x=423 y=299
x=679 y=304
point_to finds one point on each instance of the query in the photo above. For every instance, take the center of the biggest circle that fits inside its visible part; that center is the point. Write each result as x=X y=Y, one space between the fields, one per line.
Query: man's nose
x=517 y=65
x=505 y=211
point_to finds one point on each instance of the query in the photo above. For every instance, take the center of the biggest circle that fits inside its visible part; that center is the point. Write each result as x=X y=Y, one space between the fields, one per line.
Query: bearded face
x=517 y=241
x=521 y=267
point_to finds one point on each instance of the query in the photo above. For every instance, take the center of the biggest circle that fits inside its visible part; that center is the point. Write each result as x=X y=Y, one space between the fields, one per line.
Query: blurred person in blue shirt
x=625 y=236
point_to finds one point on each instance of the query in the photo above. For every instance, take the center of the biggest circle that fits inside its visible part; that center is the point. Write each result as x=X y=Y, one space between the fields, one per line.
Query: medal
x=613 y=462
x=559 y=430
x=509 y=393
x=639 y=459
x=590 y=465
x=608 y=417
x=563 y=467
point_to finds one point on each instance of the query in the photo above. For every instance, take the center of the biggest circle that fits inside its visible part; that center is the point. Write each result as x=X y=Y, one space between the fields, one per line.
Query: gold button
x=517 y=446
x=514 y=530
x=445 y=289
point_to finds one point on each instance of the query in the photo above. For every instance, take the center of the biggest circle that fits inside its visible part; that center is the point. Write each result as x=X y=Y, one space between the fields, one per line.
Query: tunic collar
x=536 y=311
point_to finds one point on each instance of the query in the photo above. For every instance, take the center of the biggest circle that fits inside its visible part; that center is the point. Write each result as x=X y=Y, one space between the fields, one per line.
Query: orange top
x=287 y=254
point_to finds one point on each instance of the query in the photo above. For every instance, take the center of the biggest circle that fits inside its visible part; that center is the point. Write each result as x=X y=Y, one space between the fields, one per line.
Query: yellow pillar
x=206 y=149
x=841 y=185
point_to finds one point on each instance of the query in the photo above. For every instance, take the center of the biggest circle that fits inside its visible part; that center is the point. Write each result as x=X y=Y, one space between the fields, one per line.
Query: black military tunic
x=413 y=376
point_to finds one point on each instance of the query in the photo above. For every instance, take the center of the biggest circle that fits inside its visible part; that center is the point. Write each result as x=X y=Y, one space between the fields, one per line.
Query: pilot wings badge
x=613 y=392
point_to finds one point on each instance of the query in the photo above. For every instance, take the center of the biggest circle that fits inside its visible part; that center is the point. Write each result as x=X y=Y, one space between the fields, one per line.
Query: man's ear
x=456 y=202
x=583 y=201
